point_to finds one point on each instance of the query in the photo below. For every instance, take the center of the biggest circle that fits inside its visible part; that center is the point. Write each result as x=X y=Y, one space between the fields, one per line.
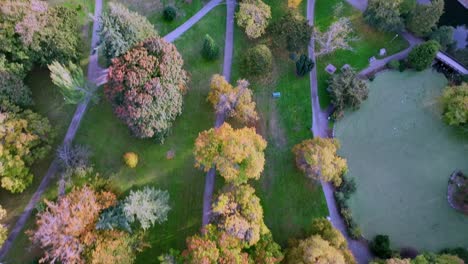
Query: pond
x=455 y=14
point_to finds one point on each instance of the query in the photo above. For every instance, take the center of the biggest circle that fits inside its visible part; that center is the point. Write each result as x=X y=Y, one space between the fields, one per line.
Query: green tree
x=148 y=206
x=266 y=251
x=25 y=137
x=292 y=32
x=237 y=154
x=444 y=36
x=304 y=65
x=347 y=90
x=210 y=50
x=407 y=6
x=424 y=17
x=169 y=13
x=71 y=82
x=431 y=258
x=455 y=105
x=253 y=16
x=318 y=159
x=257 y=61
x=13 y=89
x=314 y=250
x=121 y=29
x=384 y=15
x=380 y=246
x=421 y=57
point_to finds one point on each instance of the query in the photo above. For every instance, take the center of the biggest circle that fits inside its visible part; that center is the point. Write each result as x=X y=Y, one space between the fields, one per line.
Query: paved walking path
x=227 y=65
x=192 y=21
x=94 y=73
x=320 y=129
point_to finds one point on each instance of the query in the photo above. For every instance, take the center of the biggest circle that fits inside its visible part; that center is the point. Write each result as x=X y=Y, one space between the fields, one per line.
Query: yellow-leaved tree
x=294 y=3
x=233 y=102
x=317 y=158
x=253 y=16
x=237 y=154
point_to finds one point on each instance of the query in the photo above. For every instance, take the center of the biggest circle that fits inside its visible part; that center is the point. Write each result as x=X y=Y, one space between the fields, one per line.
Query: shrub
x=403 y=65
x=210 y=50
x=422 y=55
x=257 y=61
x=455 y=105
x=304 y=65
x=394 y=65
x=459 y=252
x=380 y=246
x=292 y=32
x=347 y=187
x=14 y=90
x=130 y=159
x=169 y=13
x=444 y=36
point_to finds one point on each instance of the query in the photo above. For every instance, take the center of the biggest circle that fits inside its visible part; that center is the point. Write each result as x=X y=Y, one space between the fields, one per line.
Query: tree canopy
x=237 y=154
x=253 y=16
x=384 y=15
x=71 y=82
x=424 y=17
x=318 y=159
x=338 y=36
x=121 y=29
x=13 y=89
x=233 y=102
x=292 y=32
x=444 y=36
x=146 y=87
x=25 y=137
x=421 y=57
x=455 y=105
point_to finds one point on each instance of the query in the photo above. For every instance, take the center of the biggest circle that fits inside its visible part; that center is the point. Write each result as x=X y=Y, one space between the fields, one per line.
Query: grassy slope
x=109 y=139
x=369 y=43
x=289 y=199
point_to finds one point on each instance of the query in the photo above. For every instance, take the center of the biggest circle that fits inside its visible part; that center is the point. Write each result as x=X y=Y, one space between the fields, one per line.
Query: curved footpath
x=320 y=129
x=98 y=76
x=227 y=65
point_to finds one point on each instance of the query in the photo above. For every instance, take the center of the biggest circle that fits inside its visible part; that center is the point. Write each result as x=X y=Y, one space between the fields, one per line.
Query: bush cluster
x=342 y=194
x=257 y=61
x=210 y=50
x=169 y=13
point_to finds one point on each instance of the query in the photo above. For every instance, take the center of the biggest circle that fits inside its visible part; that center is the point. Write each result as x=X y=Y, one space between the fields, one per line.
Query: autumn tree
x=201 y=249
x=455 y=105
x=318 y=159
x=3 y=228
x=71 y=82
x=424 y=17
x=384 y=15
x=13 y=89
x=115 y=247
x=148 y=206
x=347 y=90
x=25 y=137
x=253 y=16
x=66 y=227
x=233 y=102
x=238 y=212
x=146 y=87
x=266 y=251
x=314 y=250
x=294 y=3
x=237 y=154
x=338 y=36
x=121 y=29
x=292 y=32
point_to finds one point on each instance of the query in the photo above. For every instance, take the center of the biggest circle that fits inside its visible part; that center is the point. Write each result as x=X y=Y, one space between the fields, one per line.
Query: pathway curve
x=320 y=129
x=192 y=21
x=94 y=74
x=227 y=65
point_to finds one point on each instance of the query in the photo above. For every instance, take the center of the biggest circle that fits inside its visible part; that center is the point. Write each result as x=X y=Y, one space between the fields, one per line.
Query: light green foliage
x=421 y=56
x=424 y=17
x=253 y=16
x=455 y=105
x=384 y=15
x=121 y=29
x=257 y=61
x=314 y=250
x=3 y=229
x=407 y=6
x=71 y=82
x=148 y=206
x=431 y=258
x=24 y=138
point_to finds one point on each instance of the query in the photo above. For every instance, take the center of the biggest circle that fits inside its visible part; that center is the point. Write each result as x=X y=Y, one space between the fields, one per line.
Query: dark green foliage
x=403 y=66
x=169 y=13
x=14 y=90
x=304 y=65
x=210 y=50
x=462 y=56
x=292 y=32
x=347 y=90
x=394 y=64
x=444 y=36
x=459 y=252
x=113 y=218
x=384 y=15
x=407 y=6
x=421 y=56
x=424 y=17
x=380 y=246
x=342 y=194
x=257 y=61
x=347 y=187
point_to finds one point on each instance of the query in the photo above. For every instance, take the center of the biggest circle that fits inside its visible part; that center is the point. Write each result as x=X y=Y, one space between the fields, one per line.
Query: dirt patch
x=276 y=130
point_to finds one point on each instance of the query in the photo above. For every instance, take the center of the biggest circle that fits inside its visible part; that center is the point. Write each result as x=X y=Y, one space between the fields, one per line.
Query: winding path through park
x=227 y=65
x=98 y=76
x=320 y=129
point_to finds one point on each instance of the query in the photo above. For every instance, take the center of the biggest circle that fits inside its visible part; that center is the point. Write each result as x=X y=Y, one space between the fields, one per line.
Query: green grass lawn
x=401 y=154
x=289 y=199
x=109 y=138
x=369 y=43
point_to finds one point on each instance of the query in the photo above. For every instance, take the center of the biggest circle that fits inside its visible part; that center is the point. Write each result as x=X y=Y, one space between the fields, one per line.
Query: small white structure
x=330 y=69
x=346 y=67
x=382 y=52
x=372 y=59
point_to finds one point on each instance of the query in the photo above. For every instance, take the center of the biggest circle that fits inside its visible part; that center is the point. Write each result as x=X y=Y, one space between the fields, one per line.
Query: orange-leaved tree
x=233 y=102
x=237 y=154
x=317 y=158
